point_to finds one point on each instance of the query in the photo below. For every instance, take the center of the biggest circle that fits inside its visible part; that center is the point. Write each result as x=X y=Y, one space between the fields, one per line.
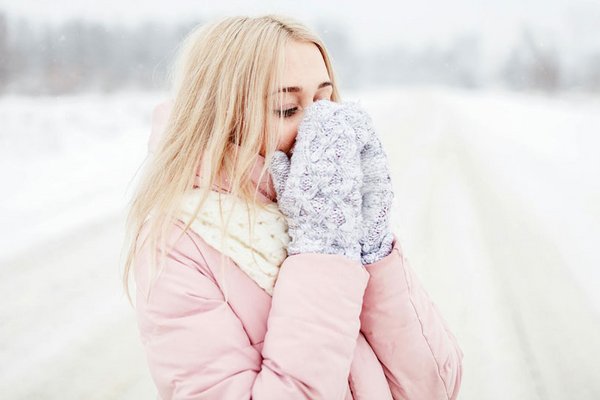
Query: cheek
x=287 y=136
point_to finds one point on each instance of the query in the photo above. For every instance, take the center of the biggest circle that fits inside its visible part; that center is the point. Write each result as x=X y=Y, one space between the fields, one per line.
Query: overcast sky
x=574 y=23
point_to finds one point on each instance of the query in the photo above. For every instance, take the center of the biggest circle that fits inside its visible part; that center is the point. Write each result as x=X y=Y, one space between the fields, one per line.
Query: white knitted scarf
x=259 y=256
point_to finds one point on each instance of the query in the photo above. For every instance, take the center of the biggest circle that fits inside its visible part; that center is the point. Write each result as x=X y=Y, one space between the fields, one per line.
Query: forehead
x=304 y=65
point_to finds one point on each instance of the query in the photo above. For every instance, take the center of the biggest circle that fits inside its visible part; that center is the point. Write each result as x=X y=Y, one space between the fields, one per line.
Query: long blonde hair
x=223 y=81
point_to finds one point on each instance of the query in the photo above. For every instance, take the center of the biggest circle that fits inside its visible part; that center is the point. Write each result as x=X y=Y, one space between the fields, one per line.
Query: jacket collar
x=266 y=190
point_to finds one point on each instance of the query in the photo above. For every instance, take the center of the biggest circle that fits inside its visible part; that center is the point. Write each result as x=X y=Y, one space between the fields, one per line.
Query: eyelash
x=289 y=112
x=286 y=113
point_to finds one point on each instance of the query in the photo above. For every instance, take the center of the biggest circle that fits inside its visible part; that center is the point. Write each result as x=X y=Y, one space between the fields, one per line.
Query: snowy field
x=498 y=210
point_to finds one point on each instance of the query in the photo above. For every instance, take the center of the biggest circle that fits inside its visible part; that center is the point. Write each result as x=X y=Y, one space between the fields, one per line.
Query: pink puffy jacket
x=333 y=329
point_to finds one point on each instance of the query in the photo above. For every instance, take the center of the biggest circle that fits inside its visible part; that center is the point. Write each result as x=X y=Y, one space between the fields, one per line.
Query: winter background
x=490 y=113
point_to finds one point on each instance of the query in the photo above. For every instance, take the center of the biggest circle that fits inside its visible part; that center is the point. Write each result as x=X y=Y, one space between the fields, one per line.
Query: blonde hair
x=223 y=80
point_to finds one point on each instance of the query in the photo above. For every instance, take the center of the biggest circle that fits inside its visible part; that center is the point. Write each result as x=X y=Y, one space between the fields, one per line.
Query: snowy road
x=494 y=224
x=70 y=335
x=498 y=212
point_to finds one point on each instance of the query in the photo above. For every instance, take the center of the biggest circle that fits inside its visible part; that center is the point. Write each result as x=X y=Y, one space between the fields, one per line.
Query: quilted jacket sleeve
x=197 y=348
x=421 y=358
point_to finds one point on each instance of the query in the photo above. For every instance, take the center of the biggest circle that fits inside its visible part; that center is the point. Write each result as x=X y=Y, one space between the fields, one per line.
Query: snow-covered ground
x=498 y=211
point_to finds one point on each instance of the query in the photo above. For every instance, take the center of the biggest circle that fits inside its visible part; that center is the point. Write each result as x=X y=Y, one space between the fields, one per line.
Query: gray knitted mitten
x=318 y=189
x=377 y=194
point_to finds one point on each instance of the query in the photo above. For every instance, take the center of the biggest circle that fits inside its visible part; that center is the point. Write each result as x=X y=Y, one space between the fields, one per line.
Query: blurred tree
x=464 y=60
x=532 y=64
x=4 y=56
x=592 y=73
x=77 y=56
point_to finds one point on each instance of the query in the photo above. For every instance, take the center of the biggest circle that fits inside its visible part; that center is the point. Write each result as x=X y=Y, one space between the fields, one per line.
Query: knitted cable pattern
x=318 y=188
x=377 y=193
x=325 y=178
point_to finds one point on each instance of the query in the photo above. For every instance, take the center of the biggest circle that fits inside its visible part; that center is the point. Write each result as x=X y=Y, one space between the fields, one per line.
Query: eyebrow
x=295 y=89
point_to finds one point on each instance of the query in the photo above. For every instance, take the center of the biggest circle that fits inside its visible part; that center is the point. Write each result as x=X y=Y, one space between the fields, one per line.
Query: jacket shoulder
x=187 y=249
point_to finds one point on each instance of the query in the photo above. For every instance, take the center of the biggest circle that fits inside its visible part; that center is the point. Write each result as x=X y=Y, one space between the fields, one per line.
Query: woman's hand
x=319 y=188
x=377 y=195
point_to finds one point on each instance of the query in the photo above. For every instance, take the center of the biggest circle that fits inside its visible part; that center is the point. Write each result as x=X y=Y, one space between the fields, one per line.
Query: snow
x=497 y=209
x=65 y=162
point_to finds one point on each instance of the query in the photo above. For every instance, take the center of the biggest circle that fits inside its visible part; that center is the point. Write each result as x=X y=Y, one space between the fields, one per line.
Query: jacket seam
x=193 y=240
x=410 y=297
x=351 y=386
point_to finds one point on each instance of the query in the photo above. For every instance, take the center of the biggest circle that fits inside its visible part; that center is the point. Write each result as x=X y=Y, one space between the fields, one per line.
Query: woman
x=263 y=256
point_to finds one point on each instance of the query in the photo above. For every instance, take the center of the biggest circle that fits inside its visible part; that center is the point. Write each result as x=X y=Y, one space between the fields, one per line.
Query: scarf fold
x=259 y=255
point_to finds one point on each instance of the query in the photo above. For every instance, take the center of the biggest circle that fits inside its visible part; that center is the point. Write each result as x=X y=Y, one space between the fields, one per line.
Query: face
x=305 y=80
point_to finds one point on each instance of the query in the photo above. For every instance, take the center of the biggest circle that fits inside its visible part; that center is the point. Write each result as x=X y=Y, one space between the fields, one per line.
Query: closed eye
x=286 y=113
